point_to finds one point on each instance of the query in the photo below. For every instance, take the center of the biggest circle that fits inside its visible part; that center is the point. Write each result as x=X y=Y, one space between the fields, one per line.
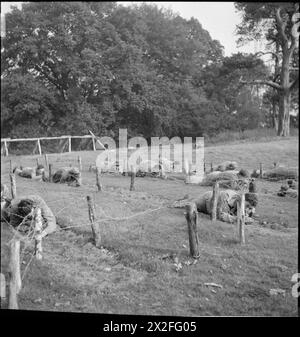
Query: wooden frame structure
x=66 y=142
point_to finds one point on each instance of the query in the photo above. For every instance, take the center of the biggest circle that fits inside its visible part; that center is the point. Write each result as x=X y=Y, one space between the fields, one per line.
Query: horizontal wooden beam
x=42 y=138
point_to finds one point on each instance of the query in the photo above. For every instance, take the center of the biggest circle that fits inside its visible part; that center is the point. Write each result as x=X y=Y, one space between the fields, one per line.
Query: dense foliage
x=70 y=67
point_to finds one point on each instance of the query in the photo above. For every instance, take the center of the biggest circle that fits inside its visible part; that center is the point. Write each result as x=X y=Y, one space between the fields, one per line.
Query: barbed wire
x=29 y=237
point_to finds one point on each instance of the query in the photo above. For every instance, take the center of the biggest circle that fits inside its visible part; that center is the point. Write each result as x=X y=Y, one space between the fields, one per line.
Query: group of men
x=69 y=175
x=19 y=212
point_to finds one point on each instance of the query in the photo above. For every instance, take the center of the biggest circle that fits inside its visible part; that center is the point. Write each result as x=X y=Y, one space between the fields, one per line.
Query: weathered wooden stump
x=94 y=224
x=98 y=181
x=15 y=282
x=50 y=173
x=214 y=201
x=191 y=216
x=132 y=178
x=46 y=160
x=79 y=163
x=241 y=218
x=260 y=170
x=38 y=223
x=13 y=186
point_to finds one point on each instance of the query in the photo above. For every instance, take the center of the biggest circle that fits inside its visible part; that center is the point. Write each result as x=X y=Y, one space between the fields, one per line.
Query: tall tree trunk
x=284 y=114
x=284 y=96
x=274 y=114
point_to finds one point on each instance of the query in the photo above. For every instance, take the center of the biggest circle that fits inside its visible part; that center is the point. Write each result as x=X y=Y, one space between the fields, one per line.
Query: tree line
x=70 y=67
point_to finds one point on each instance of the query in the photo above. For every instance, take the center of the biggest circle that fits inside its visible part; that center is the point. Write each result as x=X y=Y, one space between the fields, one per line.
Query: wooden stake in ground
x=3 y=286
x=70 y=146
x=15 y=282
x=50 y=173
x=79 y=163
x=13 y=186
x=260 y=170
x=95 y=225
x=38 y=223
x=39 y=147
x=5 y=148
x=46 y=160
x=211 y=167
x=214 y=201
x=191 y=216
x=98 y=181
x=241 y=218
x=132 y=176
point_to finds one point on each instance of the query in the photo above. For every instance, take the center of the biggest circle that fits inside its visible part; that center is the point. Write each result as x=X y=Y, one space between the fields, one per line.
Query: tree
x=275 y=23
x=107 y=66
x=237 y=106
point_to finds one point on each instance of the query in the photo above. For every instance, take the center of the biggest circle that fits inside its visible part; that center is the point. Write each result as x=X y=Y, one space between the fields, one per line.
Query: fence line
x=38 y=146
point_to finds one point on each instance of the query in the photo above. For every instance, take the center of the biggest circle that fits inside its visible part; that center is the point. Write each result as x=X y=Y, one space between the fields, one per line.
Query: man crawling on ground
x=19 y=213
x=68 y=175
x=30 y=172
x=227 y=205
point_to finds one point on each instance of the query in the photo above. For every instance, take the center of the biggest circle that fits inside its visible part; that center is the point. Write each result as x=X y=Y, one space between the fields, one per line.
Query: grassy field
x=134 y=273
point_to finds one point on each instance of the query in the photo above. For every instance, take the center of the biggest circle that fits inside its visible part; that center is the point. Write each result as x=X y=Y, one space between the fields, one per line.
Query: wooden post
x=214 y=201
x=125 y=168
x=70 y=145
x=13 y=186
x=5 y=148
x=260 y=170
x=39 y=146
x=132 y=176
x=15 y=282
x=50 y=173
x=190 y=168
x=98 y=182
x=95 y=225
x=191 y=216
x=211 y=167
x=38 y=229
x=2 y=286
x=79 y=163
x=241 y=218
x=46 y=160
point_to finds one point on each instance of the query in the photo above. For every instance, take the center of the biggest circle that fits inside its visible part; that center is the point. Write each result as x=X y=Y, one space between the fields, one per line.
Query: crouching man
x=69 y=175
x=19 y=213
x=227 y=205
x=30 y=172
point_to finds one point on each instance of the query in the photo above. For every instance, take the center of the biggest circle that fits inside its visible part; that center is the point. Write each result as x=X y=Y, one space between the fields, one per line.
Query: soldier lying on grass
x=19 y=213
x=69 y=175
x=226 y=205
x=30 y=172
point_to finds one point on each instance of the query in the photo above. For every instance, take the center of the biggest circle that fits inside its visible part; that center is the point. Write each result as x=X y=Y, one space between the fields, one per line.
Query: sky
x=218 y=18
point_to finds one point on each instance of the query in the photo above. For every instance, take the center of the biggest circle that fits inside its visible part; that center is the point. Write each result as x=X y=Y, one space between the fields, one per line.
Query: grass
x=135 y=273
x=260 y=134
